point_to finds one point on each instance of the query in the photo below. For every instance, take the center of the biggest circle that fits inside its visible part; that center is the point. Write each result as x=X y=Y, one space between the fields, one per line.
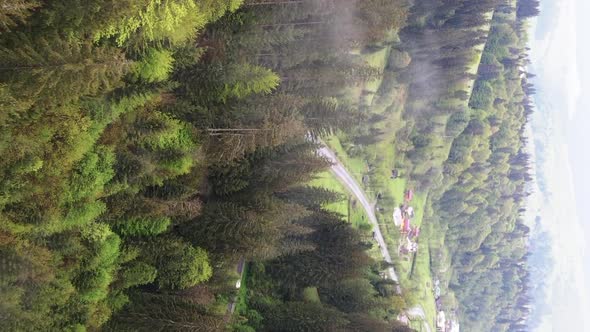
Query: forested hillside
x=457 y=122
x=156 y=152
x=481 y=200
x=149 y=147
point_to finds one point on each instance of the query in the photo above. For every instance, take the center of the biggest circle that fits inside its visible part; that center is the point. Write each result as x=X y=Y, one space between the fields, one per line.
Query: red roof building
x=409 y=195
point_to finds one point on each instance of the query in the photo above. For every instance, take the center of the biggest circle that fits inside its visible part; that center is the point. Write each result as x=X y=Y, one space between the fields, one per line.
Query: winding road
x=340 y=171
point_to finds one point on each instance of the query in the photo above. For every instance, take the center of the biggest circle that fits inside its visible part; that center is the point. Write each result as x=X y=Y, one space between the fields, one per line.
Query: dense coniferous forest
x=156 y=152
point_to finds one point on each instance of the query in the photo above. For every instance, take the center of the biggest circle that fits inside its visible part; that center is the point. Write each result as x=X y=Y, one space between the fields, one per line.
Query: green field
x=348 y=207
x=328 y=181
x=382 y=156
x=310 y=294
x=241 y=303
x=376 y=162
x=356 y=166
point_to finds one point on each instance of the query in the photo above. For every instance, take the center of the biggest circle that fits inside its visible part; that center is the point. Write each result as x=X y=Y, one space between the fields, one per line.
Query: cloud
x=555 y=61
x=568 y=289
x=555 y=55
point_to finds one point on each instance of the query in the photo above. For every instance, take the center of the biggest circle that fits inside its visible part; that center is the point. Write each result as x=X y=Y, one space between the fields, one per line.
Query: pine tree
x=243 y=231
x=48 y=69
x=353 y=295
x=303 y=316
x=13 y=12
x=156 y=148
x=173 y=21
x=162 y=312
x=527 y=8
x=310 y=197
x=220 y=83
x=179 y=264
x=324 y=116
x=287 y=164
x=366 y=323
x=137 y=273
x=142 y=226
x=259 y=123
x=333 y=71
x=339 y=254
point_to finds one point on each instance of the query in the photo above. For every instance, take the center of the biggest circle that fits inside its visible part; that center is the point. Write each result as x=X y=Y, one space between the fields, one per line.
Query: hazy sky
x=560 y=43
x=579 y=134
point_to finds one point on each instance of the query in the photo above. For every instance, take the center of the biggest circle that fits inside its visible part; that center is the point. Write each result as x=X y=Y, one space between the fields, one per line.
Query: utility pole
x=264 y=3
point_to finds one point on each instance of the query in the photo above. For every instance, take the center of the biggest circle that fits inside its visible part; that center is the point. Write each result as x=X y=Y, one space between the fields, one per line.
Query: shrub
x=143 y=226
x=138 y=273
x=399 y=59
x=187 y=267
x=155 y=66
